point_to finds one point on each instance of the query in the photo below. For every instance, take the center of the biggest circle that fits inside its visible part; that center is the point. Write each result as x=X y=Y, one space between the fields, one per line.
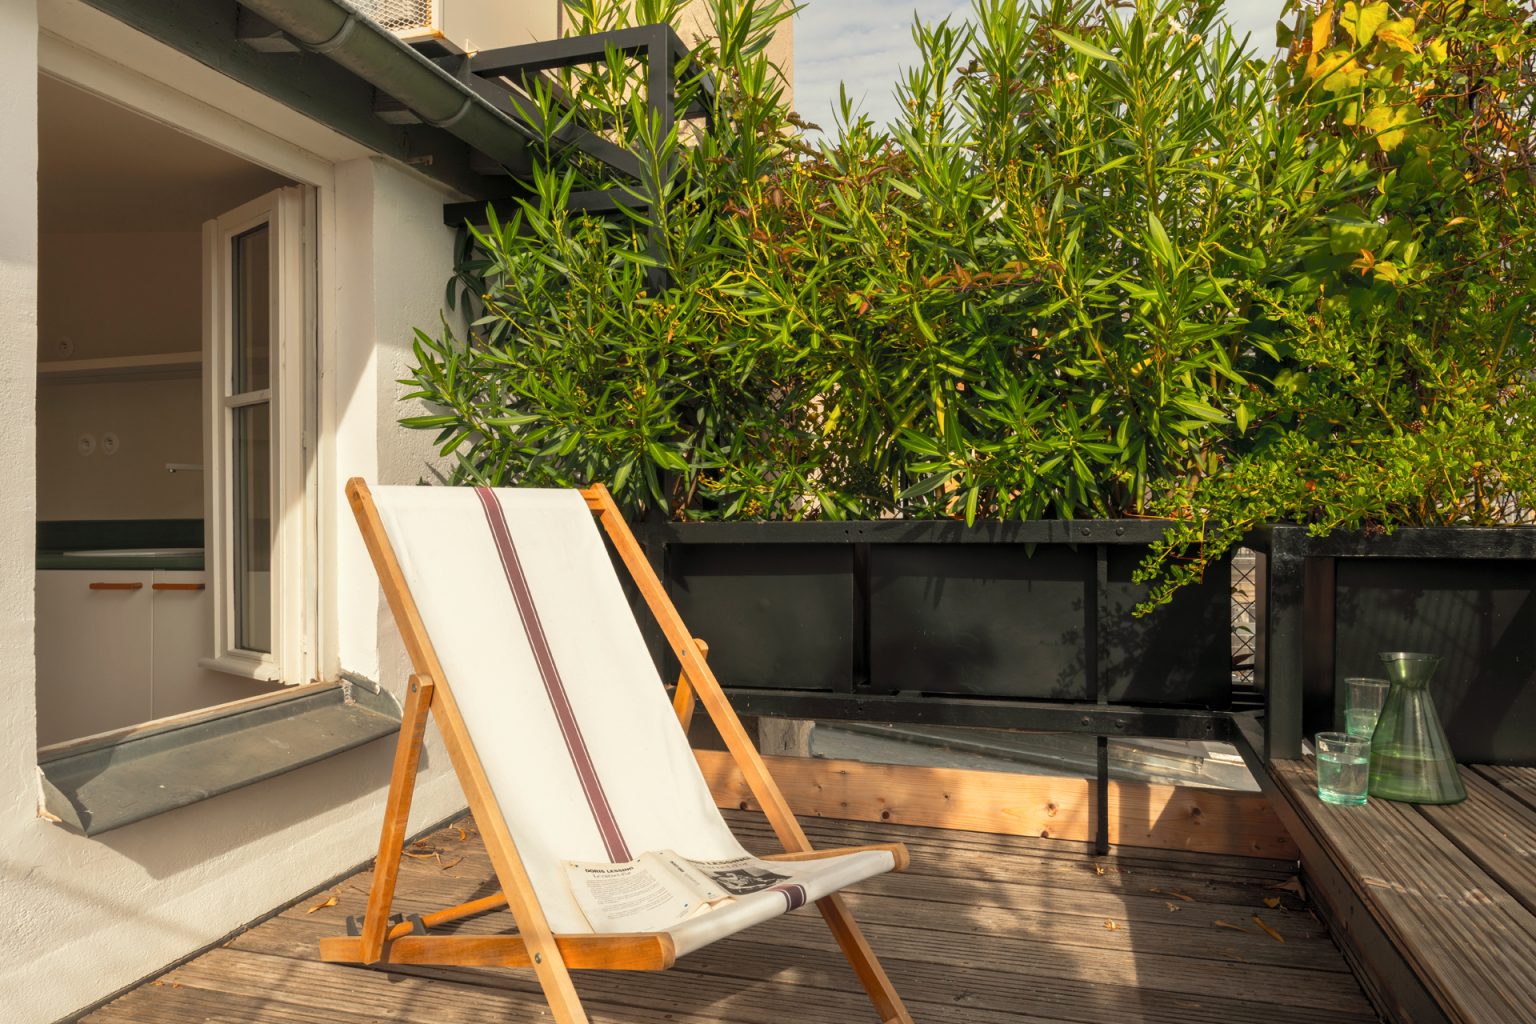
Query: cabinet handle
x=177 y=586
x=117 y=586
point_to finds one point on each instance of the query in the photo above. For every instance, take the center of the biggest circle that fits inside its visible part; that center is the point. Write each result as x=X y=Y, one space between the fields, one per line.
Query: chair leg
x=862 y=959
x=397 y=810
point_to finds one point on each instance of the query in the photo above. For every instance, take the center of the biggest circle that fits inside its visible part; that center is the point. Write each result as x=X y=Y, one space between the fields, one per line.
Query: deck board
x=982 y=930
x=1449 y=886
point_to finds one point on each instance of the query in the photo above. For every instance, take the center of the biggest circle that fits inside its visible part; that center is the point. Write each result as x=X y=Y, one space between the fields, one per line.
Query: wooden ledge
x=1147 y=815
x=646 y=951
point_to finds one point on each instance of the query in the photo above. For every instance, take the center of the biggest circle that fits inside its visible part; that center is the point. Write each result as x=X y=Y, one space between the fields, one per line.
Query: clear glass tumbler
x=1363 y=699
x=1343 y=768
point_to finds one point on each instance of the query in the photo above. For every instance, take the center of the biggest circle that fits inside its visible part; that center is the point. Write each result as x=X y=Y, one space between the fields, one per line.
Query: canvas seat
x=529 y=656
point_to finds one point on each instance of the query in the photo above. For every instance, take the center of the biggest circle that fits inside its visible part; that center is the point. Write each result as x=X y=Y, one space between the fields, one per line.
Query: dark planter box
x=1035 y=611
x=1468 y=595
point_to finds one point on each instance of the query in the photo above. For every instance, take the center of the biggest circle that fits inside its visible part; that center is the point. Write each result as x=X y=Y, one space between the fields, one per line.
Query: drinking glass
x=1343 y=768
x=1363 y=699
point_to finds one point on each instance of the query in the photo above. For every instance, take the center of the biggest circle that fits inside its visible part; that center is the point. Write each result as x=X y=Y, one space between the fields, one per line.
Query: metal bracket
x=355 y=923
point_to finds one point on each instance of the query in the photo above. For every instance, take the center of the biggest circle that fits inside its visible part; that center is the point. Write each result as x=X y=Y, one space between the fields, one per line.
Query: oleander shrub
x=1107 y=262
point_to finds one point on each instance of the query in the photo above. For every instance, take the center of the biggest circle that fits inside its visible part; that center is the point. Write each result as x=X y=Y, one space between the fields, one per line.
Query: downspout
x=335 y=29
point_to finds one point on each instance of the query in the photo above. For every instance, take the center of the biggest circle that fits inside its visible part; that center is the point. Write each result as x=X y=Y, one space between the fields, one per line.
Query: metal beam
x=1021 y=716
x=575 y=50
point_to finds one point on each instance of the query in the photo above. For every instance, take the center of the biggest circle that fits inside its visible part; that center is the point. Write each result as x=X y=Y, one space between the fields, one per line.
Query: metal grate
x=1245 y=583
x=399 y=15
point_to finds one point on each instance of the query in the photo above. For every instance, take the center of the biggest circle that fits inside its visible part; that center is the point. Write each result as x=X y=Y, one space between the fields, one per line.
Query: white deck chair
x=559 y=728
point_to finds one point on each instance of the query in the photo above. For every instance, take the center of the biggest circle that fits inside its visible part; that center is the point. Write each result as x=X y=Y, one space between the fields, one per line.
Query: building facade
x=215 y=243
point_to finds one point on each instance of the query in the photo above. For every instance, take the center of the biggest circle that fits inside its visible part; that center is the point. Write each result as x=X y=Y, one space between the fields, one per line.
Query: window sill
x=245 y=666
x=99 y=784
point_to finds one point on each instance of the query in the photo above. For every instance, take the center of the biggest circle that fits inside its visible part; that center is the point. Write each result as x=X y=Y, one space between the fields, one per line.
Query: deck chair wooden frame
x=383 y=940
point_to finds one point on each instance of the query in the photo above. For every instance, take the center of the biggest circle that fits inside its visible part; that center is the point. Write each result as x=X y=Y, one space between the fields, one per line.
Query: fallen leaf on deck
x=1272 y=902
x=1267 y=929
x=1175 y=894
x=1292 y=884
x=462 y=831
x=1229 y=924
x=1173 y=908
x=421 y=851
x=452 y=863
x=329 y=902
x=1111 y=926
x=1098 y=869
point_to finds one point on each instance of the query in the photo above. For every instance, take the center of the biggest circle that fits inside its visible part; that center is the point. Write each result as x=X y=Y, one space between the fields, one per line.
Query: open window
x=258 y=312
x=175 y=551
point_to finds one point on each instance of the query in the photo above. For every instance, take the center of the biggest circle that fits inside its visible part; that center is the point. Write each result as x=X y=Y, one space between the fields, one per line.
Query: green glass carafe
x=1410 y=758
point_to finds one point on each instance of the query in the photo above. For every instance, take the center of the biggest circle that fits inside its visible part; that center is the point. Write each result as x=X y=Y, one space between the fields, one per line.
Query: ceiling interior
x=104 y=168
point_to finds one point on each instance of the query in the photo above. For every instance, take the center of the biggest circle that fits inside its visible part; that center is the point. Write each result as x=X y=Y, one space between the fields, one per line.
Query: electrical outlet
x=109 y=444
x=86 y=445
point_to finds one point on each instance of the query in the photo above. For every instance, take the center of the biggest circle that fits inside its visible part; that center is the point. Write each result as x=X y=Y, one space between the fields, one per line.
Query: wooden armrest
x=896 y=850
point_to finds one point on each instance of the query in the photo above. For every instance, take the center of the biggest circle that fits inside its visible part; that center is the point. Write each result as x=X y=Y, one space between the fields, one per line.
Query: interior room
x=124 y=609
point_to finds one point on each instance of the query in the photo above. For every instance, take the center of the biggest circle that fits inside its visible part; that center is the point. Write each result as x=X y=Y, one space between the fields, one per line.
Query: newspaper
x=659 y=889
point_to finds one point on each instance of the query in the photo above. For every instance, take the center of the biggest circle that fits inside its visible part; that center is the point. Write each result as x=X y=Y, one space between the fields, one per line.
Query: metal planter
x=1466 y=594
x=877 y=615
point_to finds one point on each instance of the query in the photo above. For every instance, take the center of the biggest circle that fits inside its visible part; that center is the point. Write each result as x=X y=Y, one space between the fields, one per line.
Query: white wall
x=86 y=917
x=154 y=421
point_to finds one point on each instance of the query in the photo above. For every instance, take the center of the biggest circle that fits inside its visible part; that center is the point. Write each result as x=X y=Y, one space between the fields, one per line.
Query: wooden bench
x=1434 y=906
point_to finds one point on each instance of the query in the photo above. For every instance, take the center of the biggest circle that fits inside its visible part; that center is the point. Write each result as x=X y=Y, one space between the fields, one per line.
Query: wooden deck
x=982 y=929
x=1451 y=889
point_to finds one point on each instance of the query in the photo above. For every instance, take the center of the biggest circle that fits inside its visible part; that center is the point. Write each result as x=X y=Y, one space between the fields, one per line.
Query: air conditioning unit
x=464 y=26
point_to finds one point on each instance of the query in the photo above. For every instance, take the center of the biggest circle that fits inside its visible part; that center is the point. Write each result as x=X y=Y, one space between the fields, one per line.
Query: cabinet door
x=93 y=652
x=183 y=634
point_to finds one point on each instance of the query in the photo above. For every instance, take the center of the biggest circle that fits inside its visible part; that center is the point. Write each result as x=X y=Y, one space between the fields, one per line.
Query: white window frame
x=289 y=214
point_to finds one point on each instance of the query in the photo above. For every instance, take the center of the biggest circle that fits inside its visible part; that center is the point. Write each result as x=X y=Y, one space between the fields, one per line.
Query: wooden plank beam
x=1140 y=814
x=638 y=952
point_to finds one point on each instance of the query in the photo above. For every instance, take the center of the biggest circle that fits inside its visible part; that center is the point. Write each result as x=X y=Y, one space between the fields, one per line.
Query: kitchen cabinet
x=183 y=633
x=94 y=641
x=118 y=647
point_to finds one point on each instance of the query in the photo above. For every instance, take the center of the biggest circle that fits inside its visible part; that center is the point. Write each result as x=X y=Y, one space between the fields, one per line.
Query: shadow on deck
x=981 y=929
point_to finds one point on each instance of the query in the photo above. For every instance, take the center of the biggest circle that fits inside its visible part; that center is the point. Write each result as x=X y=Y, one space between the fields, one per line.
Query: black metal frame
x=1096 y=716
x=1297 y=634
x=492 y=74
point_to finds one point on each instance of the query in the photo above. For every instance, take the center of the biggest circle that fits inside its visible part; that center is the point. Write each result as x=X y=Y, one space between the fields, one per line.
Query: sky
x=866 y=43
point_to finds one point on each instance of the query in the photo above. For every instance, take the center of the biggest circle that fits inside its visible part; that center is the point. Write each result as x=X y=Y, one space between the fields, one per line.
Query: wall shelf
x=158 y=366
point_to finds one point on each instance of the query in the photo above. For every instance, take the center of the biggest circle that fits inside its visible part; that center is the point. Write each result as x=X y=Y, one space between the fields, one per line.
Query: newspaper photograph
x=659 y=889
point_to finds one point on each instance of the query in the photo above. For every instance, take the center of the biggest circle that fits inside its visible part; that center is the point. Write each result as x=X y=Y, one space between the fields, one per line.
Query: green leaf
x=1159 y=242
x=1084 y=47
x=1199 y=409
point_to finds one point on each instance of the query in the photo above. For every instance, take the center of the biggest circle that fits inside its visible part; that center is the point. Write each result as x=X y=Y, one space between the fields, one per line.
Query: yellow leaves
x=1362 y=22
x=1174 y=893
x=1272 y=902
x=1322 y=29
x=1399 y=33
x=1267 y=930
x=1386 y=122
x=329 y=901
x=1111 y=926
x=1218 y=923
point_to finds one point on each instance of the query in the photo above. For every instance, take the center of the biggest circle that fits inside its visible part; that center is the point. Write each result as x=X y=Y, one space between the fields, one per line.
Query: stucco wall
x=87 y=917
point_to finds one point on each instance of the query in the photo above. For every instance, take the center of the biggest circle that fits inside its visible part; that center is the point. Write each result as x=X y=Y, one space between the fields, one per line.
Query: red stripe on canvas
x=554 y=687
x=793 y=893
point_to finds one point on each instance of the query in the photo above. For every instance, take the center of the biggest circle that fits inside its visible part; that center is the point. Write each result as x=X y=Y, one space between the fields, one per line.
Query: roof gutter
x=336 y=30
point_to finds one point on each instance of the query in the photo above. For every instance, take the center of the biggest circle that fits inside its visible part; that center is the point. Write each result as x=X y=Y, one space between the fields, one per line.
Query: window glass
x=251 y=355
x=252 y=507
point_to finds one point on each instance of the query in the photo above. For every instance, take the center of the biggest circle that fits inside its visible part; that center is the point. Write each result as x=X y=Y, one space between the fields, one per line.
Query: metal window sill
x=93 y=787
